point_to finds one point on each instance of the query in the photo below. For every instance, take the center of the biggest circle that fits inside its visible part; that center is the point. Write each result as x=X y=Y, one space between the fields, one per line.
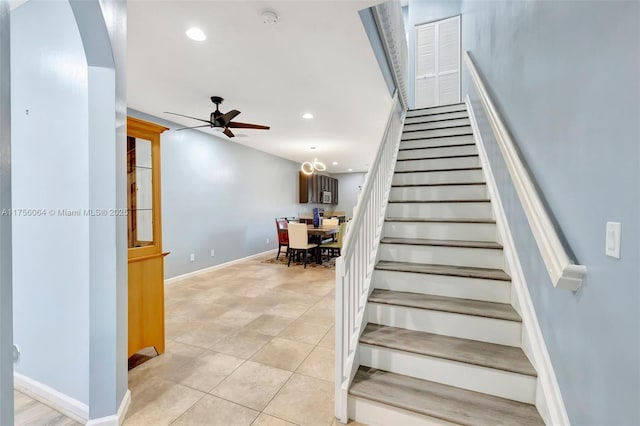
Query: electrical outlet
x=267 y=241
x=192 y=257
x=16 y=353
x=213 y=252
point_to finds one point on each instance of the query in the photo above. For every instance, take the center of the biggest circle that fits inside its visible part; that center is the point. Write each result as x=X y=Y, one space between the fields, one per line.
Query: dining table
x=318 y=234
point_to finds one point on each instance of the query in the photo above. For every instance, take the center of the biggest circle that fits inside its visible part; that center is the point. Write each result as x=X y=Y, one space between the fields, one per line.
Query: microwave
x=326 y=197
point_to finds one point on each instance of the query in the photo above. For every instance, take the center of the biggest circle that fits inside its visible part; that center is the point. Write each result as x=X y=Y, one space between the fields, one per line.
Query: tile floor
x=29 y=412
x=250 y=344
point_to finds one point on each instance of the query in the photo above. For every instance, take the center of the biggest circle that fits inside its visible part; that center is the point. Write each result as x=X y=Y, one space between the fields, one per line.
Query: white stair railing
x=354 y=268
x=563 y=271
x=388 y=17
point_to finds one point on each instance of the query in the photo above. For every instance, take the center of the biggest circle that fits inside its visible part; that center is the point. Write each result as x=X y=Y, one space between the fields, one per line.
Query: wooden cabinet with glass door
x=146 y=258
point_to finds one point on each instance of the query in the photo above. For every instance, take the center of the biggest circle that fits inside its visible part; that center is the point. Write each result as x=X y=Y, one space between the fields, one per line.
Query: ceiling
x=316 y=58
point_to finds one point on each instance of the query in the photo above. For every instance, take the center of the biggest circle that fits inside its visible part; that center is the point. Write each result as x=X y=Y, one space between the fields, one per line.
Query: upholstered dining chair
x=283 y=236
x=335 y=247
x=330 y=223
x=299 y=241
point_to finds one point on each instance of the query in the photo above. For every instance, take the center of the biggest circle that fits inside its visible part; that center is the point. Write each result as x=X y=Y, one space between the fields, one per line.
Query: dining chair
x=336 y=246
x=283 y=236
x=299 y=241
x=330 y=223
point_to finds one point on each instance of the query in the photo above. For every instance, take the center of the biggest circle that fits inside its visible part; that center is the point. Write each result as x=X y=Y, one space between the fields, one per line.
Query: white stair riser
x=471 y=210
x=436 y=117
x=438 y=164
x=441 y=231
x=439 y=255
x=425 y=134
x=428 y=143
x=428 y=178
x=436 y=124
x=444 y=285
x=438 y=152
x=373 y=413
x=449 y=192
x=472 y=327
x=436 y=110
x=500 y=383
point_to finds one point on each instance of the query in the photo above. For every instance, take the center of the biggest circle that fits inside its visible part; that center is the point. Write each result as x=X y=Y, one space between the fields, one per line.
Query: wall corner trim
x=118 y=418
x=549 y=399
x=68 y=406
x=564 y=274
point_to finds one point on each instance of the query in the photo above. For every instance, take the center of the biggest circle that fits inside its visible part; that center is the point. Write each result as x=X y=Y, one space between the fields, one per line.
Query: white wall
x=349 y=187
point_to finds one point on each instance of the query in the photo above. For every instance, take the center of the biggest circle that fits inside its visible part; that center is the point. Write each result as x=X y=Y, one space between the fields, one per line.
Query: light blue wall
x=566 y=77
x=50 y=171
x=349 y=188
x=218 y=194
x=421 y=12
x=6 y=297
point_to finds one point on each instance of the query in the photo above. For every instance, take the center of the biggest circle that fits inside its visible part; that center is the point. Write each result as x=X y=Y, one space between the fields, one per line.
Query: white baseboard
x=118 y=418
x=548 y=397
x=68 y=406
x=220 y=266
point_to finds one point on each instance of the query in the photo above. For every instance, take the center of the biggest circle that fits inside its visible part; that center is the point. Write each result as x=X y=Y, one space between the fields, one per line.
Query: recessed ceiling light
x=335 y=163
x=349 y=170
x=307 y=115
x=196 y=34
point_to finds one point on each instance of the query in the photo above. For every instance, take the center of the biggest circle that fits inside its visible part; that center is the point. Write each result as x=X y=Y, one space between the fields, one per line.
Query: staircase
x=442 y=343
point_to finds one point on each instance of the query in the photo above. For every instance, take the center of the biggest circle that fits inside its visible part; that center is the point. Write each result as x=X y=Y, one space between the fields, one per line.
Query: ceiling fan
x=220 y=120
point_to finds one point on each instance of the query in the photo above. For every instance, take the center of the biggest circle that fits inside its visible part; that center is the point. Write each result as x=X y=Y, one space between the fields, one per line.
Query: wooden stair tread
x=434 y=137
x=423 y=220
x=478 y=308
x=491 y=355
x=438 y=146
x=454 y=271
x=442 y=243
x=444 y=402
x=413 y=185
x=442 y=157
x=448 y=169
x=439 y=128
x=468 y=200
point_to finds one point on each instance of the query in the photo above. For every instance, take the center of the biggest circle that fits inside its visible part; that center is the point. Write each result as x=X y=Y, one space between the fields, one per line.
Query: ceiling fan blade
x=236 y=125
x=194 y=118
x=226 y=118
x=228 y=132
x=194 y=127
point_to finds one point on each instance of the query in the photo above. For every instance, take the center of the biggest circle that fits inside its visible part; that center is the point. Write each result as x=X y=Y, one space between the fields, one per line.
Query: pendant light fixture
x=309 y=167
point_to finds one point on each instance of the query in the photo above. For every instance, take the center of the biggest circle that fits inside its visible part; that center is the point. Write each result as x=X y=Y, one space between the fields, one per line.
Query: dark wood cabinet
x=312 y=187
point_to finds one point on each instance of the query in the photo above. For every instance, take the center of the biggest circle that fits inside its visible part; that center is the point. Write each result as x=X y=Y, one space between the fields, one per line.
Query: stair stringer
x=549 y=400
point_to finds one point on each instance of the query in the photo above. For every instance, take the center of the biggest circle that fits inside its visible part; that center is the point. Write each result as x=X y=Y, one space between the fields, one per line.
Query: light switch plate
x=613 y=239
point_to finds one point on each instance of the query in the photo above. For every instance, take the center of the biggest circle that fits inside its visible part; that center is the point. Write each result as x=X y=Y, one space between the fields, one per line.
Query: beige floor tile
x=329 y=339
x=283 y=353
x=305 y=332
x=319 y=316
x=267 y=420
x=271 y=325
x=337 y=422
x=237 y=318
x=252 y=385
x=208 y=370
x=159 y=402
x=319 y=364
x=242 y=344
x=304 y=400
x=212 y=411
x=289 y=310
x=29 y=412
x=204 y=334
